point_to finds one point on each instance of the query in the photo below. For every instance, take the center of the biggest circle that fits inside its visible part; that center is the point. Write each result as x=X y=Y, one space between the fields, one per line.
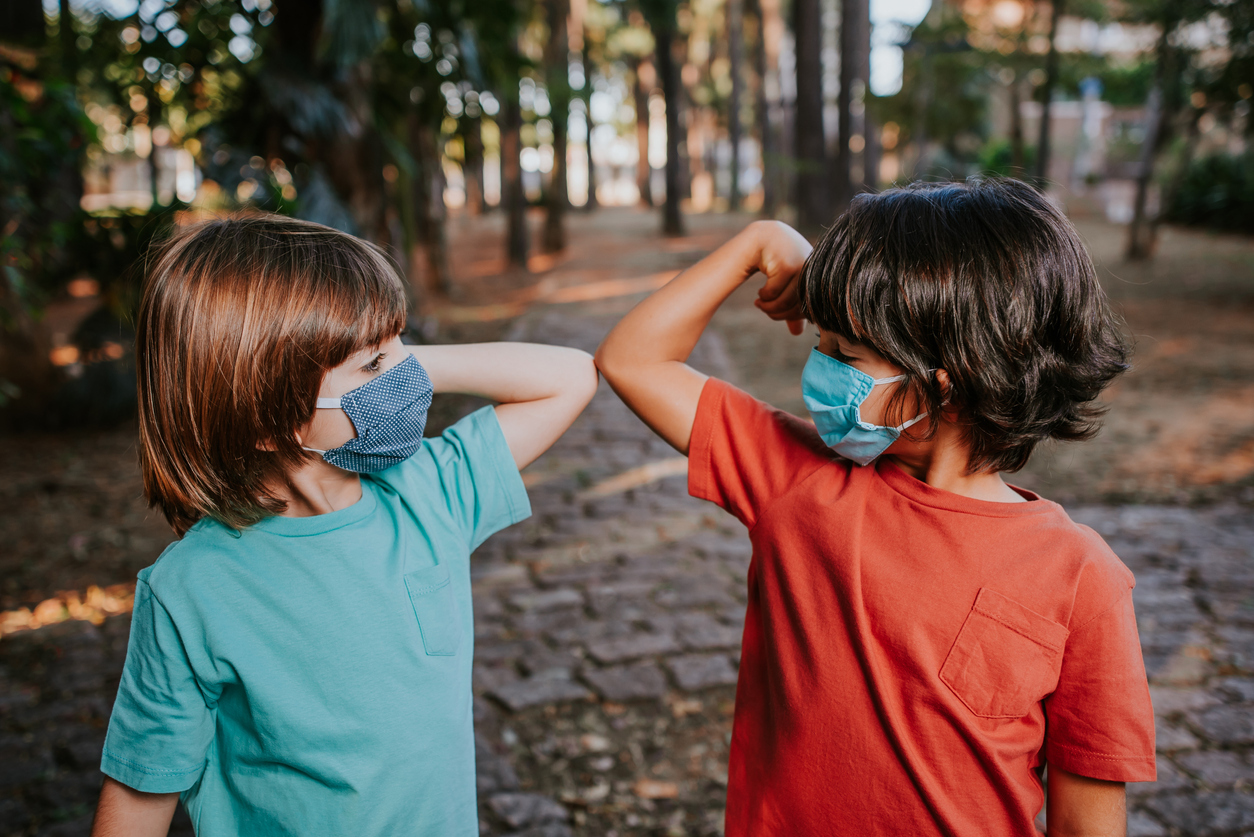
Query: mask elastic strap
x=917 y=418
x=912 y=422
x=324 y=404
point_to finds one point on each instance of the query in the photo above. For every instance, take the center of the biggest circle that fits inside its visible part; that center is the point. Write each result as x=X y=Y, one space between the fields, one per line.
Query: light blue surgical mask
x=833 y=392
x=389 y=414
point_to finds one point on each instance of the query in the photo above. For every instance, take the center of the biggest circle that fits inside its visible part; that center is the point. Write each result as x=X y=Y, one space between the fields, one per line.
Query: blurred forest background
x=533 y=167
x=387 y=117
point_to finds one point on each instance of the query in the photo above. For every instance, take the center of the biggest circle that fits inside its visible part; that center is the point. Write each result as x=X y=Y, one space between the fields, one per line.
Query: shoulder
x=728 y=410
x=191 y=561
x=473 y=438
x=1100 y=579
x=1104 y=580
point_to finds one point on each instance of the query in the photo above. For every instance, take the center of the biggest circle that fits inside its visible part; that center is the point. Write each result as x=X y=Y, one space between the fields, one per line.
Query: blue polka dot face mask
x=833 y=392
x=389 y=414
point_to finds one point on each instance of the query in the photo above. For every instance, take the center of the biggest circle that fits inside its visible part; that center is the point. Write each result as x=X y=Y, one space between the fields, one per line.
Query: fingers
x=789 y=313
x=784 y=299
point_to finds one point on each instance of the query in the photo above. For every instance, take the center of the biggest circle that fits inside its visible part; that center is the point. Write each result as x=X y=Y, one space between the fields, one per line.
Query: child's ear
x=942 y=378
x=269 y=445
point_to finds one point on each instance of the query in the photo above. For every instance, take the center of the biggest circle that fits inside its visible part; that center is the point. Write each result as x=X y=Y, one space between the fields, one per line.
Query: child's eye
x=374 y=365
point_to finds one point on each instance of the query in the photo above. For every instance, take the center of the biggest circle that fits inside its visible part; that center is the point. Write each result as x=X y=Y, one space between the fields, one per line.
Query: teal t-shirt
x=311 y=675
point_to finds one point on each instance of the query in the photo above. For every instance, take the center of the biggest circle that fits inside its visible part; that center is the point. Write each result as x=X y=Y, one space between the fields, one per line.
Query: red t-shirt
x=911 y=657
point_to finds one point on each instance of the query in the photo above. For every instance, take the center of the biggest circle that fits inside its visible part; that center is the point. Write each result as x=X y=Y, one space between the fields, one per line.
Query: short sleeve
x=744 y=454
x=481 y=488
x=161 y=727
x=1100 y=719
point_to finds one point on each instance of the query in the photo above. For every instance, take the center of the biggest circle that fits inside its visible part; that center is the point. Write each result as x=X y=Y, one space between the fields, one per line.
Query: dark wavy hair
x=988 y=281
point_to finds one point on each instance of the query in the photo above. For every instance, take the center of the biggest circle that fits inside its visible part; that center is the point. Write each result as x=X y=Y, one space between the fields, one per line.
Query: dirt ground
x=1180 y=431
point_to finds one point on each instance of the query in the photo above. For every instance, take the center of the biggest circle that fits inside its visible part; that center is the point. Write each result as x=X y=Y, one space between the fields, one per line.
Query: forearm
x=1078 y=806
x=667 y=325
x=643 y=358
x=125 y=812
x=507 y=373
x=540 y=390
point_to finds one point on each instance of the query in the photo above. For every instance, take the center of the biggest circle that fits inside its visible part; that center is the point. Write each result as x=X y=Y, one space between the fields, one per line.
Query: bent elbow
x=585 y=378
x=607 y=363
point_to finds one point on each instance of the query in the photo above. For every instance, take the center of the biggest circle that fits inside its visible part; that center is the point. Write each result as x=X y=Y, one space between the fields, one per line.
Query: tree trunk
x=586 y=95
x=1016 y=127
x=1140 y=245
x=476 y=203
x=855 y=35
x=922 y=107
x=672 y=92
x=769 y=145
x=152 y=114
x=426 y=183
x=1047 y=94
x=1192 y=136
x=867 y=127
x=22 y=22
x=512 y=197
x=812 y=182
x=557 y=57
x=69 y=47
x=644 y=172
x=736 y=60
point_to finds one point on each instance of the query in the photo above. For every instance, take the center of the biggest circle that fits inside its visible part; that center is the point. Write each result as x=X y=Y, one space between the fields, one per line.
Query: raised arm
x=643 y=357
x=540 y=390
x=123 y=812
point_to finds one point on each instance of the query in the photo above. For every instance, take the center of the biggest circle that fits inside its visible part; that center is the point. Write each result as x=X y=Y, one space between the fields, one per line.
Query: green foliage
x=1217 y=191
x=944 y=96
x=42 y=137
x=173 y=64
x=1123 y=85
x=997 y=158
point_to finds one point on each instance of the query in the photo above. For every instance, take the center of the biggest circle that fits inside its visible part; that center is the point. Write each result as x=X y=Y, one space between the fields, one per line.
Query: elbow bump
x=605 y=364
x=589 y=377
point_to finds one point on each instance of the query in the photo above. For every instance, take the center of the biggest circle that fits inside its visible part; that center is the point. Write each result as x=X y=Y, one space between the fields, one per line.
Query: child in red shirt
x=922 y=639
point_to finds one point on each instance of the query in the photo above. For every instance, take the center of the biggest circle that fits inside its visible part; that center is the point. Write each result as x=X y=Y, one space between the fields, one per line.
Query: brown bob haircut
x=988 y=281
x=240 y=319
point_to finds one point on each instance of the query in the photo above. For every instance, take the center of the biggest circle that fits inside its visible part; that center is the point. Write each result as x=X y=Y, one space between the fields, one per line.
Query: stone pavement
x=1195 y=611
x=607 y=629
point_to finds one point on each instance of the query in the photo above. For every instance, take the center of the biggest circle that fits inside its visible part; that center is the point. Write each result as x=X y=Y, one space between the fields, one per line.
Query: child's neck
x=941 y=462
x=317 y=488
x=983 y=486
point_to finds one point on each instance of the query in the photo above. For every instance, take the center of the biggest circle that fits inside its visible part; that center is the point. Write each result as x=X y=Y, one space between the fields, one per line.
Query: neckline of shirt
x=924 y=494
x=296 y=527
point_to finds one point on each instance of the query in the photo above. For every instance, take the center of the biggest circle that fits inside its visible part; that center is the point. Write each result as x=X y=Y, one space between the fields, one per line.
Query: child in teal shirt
x=300 y=660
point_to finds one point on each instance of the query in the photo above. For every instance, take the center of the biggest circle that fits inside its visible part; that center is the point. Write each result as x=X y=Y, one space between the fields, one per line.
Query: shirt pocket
x=431 y=593
x=1006 y=658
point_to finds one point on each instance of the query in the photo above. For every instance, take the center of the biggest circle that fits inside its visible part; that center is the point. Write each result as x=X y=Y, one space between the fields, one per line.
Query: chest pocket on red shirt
x=1006 y=658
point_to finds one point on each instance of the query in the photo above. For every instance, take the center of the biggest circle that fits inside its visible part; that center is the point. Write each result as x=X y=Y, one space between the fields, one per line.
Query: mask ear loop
x=912 y=422
x=324 y=404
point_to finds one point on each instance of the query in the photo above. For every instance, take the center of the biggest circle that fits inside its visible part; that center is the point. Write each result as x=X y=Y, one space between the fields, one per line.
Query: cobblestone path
x=607 y=629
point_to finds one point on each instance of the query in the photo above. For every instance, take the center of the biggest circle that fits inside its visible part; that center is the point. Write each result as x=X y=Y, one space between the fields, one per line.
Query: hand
x=782 y=255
